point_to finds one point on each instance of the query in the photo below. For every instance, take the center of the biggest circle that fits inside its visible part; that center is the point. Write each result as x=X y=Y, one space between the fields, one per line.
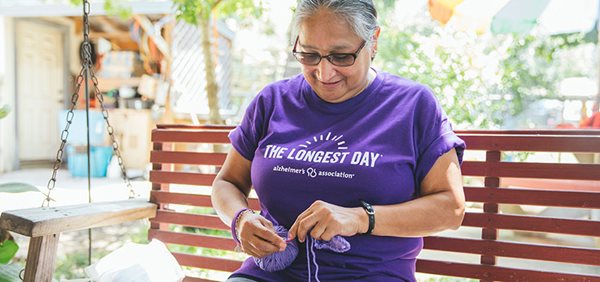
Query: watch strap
x=371 y=214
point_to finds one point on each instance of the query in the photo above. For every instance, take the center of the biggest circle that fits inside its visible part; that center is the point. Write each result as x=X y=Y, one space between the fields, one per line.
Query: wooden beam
x=46 y=221
x=148 y=28
x=41 y=258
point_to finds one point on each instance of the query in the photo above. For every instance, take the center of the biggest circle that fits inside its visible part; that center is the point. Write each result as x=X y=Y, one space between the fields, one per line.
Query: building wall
x=8 y=128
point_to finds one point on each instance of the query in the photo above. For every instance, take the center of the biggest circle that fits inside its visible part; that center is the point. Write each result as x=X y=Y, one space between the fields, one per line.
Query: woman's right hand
x=257 y=236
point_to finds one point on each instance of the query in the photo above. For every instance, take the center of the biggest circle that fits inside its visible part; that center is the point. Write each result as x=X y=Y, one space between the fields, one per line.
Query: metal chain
x=111 y=131
x=87 y=63
x=63 y=140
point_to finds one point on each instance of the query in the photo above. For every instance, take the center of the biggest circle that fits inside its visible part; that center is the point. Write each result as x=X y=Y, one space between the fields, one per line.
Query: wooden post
x=490 y=233
x=159 y=147
x=41 y=258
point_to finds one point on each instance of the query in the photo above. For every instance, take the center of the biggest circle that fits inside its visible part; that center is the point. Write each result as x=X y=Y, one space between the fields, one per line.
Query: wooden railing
x=178 y=162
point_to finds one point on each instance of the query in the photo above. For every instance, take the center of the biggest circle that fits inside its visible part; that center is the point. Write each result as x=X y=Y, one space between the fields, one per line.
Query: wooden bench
x=485 y=248
x=489 y=246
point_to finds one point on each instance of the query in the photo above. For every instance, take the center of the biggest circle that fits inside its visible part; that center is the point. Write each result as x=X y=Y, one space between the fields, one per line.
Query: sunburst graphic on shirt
x=337 y=139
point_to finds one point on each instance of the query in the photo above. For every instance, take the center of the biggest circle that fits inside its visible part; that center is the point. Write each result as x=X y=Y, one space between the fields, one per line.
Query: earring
x=373 y=56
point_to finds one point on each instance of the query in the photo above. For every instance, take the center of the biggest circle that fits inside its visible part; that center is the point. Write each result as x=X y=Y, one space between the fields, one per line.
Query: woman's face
x=325 y=33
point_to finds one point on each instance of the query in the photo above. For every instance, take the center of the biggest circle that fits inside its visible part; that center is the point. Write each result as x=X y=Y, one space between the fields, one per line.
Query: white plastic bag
x=137 y=262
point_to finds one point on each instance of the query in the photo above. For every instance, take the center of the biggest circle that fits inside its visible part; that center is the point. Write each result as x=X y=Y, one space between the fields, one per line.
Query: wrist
x=235 y=223
x=363 y=220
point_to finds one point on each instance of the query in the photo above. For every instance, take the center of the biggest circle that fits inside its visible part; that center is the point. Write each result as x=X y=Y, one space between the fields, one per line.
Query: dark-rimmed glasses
x=337 y=59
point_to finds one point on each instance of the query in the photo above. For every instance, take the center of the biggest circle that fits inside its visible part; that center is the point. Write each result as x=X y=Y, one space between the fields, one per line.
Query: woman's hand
x=324 y=220
x=257 y=236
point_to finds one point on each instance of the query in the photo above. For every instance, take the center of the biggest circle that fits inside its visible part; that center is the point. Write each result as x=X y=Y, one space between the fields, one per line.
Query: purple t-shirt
x=377 y=147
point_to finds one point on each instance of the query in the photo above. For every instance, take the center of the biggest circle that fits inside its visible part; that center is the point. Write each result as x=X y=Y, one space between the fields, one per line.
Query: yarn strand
x=308 y=257
x=314 y=256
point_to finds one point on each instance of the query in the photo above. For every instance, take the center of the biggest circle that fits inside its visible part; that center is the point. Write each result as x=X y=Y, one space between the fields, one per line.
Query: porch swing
x=44 y=225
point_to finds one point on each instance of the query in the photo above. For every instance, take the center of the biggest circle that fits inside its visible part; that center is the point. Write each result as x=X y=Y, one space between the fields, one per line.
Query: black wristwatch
x=371 y=213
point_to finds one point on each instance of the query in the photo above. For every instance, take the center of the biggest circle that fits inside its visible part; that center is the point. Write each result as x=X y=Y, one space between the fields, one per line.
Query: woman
x=341 y=150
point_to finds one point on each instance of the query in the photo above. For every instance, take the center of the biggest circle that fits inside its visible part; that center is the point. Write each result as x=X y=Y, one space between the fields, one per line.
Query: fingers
x=308 y=222
x=323 y=221
x=301 y=226
x=258 y=247
x=327 y=235
x=258 y=238
x=268 y=234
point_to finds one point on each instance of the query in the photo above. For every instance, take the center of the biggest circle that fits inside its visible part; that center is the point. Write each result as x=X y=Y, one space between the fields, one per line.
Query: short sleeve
x=433 y=134
x=245 y=137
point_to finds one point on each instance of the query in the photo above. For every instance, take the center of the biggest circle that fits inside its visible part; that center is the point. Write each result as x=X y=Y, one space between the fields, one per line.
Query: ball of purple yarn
x=279 y=260
x=337 y=244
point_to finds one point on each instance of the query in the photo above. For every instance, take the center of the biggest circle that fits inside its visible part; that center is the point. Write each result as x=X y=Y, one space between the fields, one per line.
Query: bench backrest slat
x=185 y=163
x=528 y=223
x=532 y=170
x=534 y=197
x=515 y=250
x=496 y=273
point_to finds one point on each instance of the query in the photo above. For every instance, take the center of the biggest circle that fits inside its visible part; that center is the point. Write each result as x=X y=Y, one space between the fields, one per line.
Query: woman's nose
x=325 y=70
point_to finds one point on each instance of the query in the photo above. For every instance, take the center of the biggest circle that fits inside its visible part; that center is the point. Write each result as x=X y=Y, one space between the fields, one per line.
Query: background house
x=150 y=70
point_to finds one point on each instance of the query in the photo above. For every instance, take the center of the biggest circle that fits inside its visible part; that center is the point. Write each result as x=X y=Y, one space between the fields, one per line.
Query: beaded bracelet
x=234 y=223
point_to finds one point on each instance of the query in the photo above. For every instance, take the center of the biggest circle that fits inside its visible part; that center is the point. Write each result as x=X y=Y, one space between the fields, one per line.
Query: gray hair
x=359 y=14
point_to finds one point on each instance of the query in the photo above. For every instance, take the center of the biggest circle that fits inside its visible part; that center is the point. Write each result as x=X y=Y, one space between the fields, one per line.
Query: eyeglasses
x=337 y=59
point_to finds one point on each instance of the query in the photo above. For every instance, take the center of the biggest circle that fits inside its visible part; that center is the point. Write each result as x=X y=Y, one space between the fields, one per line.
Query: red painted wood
x=207 y=262
x=491 y=183
x=194 y=127
x=196 y=240
x=187 y=136
x=538 y=224
x=216 y=159
x=591 y=132
x=190 y=199
x=191 y=220
x=572 y=199
x=488 y=272
x=532 y=170
x=576 y=255
x=552 y=184
x=533 y=143
x=180 y=198
x=186 y=178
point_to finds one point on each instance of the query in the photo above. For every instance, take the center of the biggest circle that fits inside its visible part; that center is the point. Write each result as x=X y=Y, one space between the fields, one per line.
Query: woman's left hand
x=324 y=220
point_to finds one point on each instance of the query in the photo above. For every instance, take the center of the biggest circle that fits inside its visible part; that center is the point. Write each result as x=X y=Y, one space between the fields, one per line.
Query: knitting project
x=280 y=260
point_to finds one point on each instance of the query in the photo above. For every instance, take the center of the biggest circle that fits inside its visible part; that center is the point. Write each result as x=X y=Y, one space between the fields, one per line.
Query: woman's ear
x=375 y=40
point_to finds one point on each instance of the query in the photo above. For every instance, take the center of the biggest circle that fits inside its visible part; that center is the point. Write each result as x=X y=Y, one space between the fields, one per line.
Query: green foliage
x=4 y=110
x=192 y=11
x=479 y=79
x=112 y=7
x=8 y=249
x=72 y=265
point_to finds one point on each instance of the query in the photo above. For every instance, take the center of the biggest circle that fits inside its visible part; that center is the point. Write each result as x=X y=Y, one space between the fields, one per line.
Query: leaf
x=17 y=187
x=8 y=249
x=4 y=111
